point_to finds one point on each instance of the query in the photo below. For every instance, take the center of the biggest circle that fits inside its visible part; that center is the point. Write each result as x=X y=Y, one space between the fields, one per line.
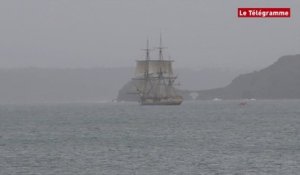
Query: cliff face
x=128 y=93
x=280 y=80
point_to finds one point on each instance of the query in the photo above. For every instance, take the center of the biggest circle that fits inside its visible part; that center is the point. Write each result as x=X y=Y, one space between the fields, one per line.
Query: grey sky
x=110 y=33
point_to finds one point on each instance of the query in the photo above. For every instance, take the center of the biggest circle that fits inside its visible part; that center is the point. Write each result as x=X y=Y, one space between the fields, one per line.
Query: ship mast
x=146 y=73
x=160 y=48
x=147 y=58
x=161 y=78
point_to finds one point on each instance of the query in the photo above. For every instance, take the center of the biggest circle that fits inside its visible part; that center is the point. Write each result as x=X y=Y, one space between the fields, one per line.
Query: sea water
x=204 y=137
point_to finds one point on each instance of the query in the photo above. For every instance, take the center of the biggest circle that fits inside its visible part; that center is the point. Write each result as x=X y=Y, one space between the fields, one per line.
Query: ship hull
x=161 y=101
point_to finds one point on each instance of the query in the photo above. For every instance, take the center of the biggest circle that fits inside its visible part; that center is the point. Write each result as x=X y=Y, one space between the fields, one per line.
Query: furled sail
x=154 y=67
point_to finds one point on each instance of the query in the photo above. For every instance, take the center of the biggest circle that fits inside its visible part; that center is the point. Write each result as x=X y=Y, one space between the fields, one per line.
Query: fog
x=75 y=50
x=110 y=33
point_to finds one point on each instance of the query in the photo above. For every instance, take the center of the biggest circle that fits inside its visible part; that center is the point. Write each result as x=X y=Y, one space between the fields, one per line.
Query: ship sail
x=154 y=80
x=154 y=67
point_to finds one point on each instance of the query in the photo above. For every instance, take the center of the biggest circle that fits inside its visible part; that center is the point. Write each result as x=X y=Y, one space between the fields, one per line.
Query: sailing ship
x=154 y=80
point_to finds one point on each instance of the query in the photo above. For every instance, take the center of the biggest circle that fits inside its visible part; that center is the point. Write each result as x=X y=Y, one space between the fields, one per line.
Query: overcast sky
x=110 y=33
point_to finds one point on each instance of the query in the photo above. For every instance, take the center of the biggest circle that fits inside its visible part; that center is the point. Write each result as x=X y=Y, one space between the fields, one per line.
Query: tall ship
x=154 y=80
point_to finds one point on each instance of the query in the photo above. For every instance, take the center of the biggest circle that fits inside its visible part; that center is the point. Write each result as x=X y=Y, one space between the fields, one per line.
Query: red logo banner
x=264 y=12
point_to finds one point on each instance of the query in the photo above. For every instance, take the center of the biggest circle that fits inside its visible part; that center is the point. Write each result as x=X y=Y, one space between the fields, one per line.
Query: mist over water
x=203 y=137
x=74 y=33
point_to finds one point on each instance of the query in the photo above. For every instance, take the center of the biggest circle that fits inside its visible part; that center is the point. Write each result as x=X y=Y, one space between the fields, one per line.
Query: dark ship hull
x=162 y=101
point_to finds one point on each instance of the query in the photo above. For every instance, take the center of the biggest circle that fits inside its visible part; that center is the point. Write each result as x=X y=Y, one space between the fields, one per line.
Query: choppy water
x=194 y=138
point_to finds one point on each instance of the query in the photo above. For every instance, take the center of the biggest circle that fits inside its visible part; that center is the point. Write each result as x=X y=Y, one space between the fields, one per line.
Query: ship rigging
x=154 y=80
